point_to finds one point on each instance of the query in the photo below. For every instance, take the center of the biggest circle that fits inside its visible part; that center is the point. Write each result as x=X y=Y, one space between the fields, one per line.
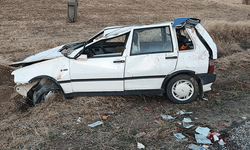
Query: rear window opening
x=184 y=40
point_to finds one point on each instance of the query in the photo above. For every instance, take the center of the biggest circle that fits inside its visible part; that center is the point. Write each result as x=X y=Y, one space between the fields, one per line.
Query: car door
x=152 y=57
x=103 y=71
x=97 y=74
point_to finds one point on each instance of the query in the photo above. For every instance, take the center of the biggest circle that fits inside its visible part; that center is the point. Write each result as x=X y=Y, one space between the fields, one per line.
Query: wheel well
x=44 y=79
x=191 y=73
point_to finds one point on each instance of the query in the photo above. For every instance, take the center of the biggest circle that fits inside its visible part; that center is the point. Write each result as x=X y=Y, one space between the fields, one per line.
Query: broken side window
x=151 y=40
x=184 y=40
x=107 y=47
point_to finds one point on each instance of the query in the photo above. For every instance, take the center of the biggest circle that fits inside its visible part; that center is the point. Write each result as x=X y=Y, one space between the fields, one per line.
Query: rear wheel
x=182 y=89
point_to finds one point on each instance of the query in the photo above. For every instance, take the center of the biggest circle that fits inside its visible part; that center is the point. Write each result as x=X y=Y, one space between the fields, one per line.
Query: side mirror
x=82 y=58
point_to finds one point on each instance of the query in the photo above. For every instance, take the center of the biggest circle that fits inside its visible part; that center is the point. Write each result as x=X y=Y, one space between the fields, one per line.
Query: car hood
x=45 y=55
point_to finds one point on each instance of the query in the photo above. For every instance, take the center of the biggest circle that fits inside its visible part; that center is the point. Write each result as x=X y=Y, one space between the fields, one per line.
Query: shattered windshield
x=69 y=48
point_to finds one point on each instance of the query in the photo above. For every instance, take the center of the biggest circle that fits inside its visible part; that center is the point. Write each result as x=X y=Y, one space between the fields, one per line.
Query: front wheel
x=182 y=89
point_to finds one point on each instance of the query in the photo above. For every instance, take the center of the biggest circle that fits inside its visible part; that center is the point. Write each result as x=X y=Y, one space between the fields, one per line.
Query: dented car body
x=172 y=58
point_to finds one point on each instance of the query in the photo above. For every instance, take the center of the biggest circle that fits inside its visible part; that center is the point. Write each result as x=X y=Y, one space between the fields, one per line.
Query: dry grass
x=247 y=2
x=230 y=37
x=28 y=27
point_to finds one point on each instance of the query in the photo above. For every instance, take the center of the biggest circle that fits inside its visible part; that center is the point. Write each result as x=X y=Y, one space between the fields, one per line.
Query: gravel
x=240 y=138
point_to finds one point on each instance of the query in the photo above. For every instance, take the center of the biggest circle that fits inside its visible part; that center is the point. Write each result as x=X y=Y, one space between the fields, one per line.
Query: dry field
x=28 y=27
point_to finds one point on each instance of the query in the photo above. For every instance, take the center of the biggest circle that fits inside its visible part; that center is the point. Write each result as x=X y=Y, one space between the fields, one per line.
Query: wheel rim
x=47 y=95
x=182 y=90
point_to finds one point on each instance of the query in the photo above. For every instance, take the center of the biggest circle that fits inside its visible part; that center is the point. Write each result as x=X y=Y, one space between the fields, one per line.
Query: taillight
x=211 y=66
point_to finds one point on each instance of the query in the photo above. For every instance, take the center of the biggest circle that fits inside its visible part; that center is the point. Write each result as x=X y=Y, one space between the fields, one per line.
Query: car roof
x=114 y=31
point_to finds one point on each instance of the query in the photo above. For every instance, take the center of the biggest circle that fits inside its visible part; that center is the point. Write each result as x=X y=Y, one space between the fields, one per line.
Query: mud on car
x=172 y=58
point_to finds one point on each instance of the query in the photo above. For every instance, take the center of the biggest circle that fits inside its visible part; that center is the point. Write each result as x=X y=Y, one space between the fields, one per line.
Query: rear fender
x=188 y=72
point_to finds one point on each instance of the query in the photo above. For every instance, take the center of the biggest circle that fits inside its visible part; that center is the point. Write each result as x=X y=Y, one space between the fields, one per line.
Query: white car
x=172 y=58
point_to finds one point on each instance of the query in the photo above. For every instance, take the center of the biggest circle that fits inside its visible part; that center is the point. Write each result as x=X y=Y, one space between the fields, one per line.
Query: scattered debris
x=202 y=139
x=179 y=136
x=63 y=133
x=202 y=130
x=140 y=145
x=158 y=122
x=148 y=108
x=167 y=117
x=221 y=142
x=205 y=147
x=196 y=118
x=104 y=117
x=205 y=99
x=217 y=94
x=79 y=119
x=141 y=134
x=213 y=136
x=225 y=136
x=194 y=147
x=186 y=123
x=184 y=113
x=245 y=118
x=109 y=113
x=97 y=123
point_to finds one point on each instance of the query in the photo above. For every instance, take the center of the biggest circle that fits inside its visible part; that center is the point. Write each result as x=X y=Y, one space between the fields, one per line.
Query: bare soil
x=28 y=27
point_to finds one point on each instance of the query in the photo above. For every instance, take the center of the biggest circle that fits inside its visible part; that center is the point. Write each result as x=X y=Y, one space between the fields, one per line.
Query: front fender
x=57 y=68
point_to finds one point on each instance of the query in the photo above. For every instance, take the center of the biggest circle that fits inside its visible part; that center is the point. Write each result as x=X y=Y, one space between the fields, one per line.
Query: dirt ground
x=28 y=27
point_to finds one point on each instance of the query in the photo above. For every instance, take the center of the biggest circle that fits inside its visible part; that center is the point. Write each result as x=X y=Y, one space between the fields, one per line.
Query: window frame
x=161 y=27
x=127 y=34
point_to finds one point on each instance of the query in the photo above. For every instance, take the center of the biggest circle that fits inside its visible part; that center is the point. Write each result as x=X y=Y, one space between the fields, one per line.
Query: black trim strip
x=159 y=92
x=111 y=79
x=174 y=57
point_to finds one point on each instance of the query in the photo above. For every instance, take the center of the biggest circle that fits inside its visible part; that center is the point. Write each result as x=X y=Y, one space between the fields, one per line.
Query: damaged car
x=175 y=59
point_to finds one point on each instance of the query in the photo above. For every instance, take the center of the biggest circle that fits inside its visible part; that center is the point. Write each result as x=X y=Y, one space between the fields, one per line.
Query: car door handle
x=174 y=57
x=119 y=61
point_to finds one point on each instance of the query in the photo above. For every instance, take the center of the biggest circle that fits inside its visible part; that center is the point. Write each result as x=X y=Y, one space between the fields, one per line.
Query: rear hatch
x=203 y=35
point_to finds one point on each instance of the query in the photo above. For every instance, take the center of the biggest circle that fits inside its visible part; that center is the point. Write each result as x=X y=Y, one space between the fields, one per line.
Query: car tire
x=182 y=89
x=45 y=96
x=44 y=90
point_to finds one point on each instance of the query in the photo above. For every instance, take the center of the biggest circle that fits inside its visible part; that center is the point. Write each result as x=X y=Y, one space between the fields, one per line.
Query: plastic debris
x=205 y=99
x=158 y=122
x=184 y=113
x=148 y=108
x=104 y=118
x=167 y=117
x=63 y=133
x=140 y=145
x=202 y=139
x=213 y=136
x=205 y=147
x=97 y=123
x=196 y=118
x=79 y=119
x=186 y=123
x=202 y=130
x=179 y=136
x=221 y=142
x=141 y=134
x=245 y=118
x=109 y=113
x=194 y=147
